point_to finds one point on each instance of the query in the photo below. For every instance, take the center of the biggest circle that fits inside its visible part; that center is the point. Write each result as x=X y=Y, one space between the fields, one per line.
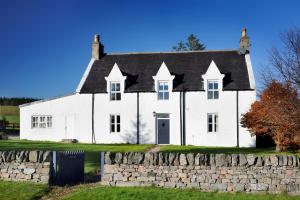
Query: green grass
x=10 y=113
x=92 y=151
x=143 y=193
x=226 y=150
x=21 y=190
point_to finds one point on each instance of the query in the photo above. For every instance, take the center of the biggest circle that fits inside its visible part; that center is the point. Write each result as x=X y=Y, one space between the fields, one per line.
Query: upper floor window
x=163 y=90
x=212 y=122
x=115 y=91
x=41 y=121
x=212 y=90
x=115 y=123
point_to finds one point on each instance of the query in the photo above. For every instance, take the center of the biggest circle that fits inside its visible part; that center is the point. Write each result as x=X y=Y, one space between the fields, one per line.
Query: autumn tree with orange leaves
x=277 y=114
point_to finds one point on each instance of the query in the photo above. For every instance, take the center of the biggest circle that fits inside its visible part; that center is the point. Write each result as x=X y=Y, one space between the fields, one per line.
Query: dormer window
x=163 y=90
x=212 y=89
x=115 y=91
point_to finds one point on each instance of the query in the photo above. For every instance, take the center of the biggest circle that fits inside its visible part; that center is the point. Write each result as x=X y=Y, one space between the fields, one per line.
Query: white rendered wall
x=71 y=119
x=197 y=108
x=127 y=108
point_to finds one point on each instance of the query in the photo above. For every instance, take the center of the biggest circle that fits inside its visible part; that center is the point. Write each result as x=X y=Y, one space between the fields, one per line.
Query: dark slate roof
x=186 y=66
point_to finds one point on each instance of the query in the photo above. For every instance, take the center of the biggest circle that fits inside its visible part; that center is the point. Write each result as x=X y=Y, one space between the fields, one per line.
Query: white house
x=183 y=98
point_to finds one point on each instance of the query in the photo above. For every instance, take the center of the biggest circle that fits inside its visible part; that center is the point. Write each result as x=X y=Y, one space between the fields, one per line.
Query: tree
x=285 y=62
x=277 y=114
x=192 y=44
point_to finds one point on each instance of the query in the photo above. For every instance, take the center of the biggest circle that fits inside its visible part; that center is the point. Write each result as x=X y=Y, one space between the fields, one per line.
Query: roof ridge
x=170 y=52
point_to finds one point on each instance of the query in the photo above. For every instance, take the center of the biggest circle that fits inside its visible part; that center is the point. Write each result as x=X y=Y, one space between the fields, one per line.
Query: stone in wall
x=32 y=166
x=208 y=172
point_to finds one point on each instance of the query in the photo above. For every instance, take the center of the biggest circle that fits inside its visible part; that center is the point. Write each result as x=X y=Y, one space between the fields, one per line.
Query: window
x=115 y=123
x=43 y=121
x=212 y=91
x=212 y=122
x=49 y=121
x=115 y=91
x=34 y=122
x=163 y=90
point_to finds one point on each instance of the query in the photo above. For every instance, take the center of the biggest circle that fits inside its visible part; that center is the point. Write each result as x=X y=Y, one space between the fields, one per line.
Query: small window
x=42 y=122
x=163 y=90
x=115 y=91
x=212 y=123
x=115 y=123
x=49 y=121
x=34 y=122
x=212 y=90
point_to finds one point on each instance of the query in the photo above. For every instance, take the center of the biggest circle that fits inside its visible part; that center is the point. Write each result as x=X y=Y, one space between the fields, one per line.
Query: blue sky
x=45 y=46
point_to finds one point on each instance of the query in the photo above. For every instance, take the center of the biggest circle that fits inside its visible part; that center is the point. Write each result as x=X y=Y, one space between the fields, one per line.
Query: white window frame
x=213 y=90
x=115 y=124
x=49 y=121
x=34 y=121
x=114 y=92
x=214 y=122
x=41 y=121
x=163 y=90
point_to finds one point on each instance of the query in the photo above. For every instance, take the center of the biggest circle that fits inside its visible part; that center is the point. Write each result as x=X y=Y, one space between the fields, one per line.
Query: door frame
x=162 y=116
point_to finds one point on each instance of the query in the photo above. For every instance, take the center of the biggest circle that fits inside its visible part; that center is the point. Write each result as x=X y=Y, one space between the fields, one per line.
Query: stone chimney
x=244 y=42
x=97 y=48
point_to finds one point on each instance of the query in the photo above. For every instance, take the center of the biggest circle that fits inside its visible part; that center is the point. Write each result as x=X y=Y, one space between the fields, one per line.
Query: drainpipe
x=93 y=109
x=237 y=120
x=183 y=118
x=180 y=110
x=137 y=117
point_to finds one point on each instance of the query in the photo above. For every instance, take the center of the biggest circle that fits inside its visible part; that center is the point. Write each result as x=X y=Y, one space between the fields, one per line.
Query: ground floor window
x=212 y=122
x=115 y=123
x=41 y=121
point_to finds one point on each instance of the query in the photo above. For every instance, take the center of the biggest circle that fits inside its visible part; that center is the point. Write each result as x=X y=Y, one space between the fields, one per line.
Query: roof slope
x=186 y=66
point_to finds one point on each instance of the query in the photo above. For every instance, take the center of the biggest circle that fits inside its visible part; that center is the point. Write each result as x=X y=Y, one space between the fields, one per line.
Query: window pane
x=113 y=87
x=215 y=85
x=209 y=118
x=118 y=96
x=166 y=95
x=160 y=87
x=209 y=127
x=118 y=87
x=160 y=95
x=112 y=96
x=210 y=86
x=112 y=119
x=118 y=118
x=166 y=86
x=118 y=128
x=216 y=94
x=210 y=94
x=112 y=128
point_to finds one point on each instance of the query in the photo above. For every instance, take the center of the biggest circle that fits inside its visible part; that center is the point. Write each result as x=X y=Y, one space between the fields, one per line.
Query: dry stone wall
x=32 y=166
x=208 y=172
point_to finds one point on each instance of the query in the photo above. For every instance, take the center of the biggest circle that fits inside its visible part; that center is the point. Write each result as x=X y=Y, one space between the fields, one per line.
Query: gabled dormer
x=213 y=81
x=115 y=83
x=163 y=82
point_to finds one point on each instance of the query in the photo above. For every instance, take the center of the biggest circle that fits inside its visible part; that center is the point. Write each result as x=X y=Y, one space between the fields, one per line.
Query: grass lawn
x=126 y=193
x=226 y=150
x=21 y=190
x=10 y=113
